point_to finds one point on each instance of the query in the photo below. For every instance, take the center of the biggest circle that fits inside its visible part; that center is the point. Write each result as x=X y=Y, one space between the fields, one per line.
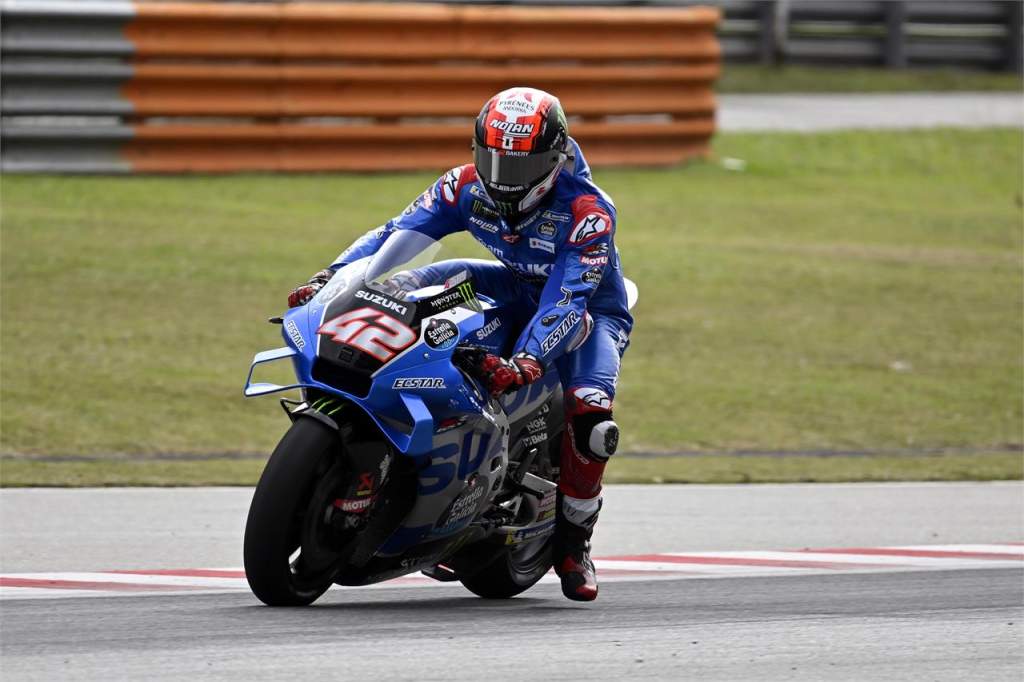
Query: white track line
x=663 y=566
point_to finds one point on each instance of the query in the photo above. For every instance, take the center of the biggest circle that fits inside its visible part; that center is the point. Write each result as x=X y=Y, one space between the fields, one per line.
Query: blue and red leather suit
x=561 y=263
x=558 y=263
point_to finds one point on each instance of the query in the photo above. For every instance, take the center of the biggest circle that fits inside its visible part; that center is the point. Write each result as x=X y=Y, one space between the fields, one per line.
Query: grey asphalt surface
x=935 y=625
x=820 y=112
x=955 y=625
x=119 y=528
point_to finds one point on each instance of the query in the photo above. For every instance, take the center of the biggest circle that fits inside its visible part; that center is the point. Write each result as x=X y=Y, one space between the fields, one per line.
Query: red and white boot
x=590 y=439
x=571 y=552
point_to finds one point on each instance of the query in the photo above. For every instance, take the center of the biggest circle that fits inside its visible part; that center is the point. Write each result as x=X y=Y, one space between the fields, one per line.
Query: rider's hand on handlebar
x=302 y=294
x=504 y=376
x=400 y=284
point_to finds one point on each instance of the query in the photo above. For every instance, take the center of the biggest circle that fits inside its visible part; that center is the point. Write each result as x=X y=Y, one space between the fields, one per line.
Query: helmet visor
x=502 y=171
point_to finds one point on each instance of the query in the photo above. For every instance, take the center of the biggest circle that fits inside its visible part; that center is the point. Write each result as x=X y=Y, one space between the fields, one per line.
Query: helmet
x=519 y=147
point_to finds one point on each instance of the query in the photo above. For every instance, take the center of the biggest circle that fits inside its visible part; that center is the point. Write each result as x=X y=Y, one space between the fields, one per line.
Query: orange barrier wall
x=219 y=87
x=400 y=68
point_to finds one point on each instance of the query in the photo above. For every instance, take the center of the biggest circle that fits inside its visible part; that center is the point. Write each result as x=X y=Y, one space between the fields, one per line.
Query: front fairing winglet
x=416 y=442
x=264 y=388
x=421 y=438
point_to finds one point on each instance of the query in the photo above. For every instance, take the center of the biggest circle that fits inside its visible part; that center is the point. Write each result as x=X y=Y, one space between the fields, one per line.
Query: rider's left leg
x=591 y=437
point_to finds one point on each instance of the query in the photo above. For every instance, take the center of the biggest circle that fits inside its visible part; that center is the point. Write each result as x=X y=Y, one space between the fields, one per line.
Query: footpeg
x=440 y=573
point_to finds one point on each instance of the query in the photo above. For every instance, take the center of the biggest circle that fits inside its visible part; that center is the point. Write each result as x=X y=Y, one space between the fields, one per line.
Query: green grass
x=850 y=290
x=692 y=469
x=20 y=473
x=748 y=78
x=731 y=469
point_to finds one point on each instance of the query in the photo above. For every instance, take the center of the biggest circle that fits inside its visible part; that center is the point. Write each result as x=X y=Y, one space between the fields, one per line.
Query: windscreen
x=402 y=253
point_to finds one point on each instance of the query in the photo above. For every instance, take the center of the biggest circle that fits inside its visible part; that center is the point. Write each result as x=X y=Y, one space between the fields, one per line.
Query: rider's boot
x=571 y=553
x=590 y=439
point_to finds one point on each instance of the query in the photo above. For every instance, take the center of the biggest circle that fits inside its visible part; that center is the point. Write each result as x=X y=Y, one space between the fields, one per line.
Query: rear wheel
x=515 y=569
x=291 y=554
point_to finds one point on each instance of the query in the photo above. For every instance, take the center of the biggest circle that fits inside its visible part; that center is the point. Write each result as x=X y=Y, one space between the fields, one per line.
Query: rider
x=530 y=200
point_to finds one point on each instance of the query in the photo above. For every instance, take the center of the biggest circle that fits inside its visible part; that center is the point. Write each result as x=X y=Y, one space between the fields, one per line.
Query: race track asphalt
x=118 y=528
x=947 y=625
x=937 y=624
x=874 y=111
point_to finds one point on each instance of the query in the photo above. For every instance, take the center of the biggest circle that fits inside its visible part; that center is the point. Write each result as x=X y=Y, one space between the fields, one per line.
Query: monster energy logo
x=457 y=295
x=322 y=405
x=560 y=115
x=469 y=296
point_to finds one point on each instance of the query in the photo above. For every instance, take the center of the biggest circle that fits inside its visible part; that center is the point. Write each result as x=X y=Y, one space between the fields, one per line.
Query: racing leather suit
x=560 y=268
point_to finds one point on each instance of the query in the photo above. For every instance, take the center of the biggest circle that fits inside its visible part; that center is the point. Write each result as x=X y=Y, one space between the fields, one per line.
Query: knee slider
x=596 y=435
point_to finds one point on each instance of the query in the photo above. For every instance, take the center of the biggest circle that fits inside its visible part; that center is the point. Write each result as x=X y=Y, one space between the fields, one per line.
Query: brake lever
x=468 y=358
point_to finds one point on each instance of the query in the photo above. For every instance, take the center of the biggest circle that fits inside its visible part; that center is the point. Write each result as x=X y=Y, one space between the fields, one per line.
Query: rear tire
x=515 y=570
x=281 y=518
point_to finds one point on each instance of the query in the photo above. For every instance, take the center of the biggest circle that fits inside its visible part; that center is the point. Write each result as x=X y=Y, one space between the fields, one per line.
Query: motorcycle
x=397 y=459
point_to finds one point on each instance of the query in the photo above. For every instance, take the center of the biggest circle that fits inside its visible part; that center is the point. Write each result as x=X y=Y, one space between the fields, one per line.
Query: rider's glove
x=504 y=376
x=301 y=295
x=400 y=284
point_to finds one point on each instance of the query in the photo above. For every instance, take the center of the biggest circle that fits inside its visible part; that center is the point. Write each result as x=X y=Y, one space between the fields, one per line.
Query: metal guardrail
x=117 y=86
x=984 y=34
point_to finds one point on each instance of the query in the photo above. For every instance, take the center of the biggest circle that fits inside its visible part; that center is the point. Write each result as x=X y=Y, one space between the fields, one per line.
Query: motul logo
x=513 y=129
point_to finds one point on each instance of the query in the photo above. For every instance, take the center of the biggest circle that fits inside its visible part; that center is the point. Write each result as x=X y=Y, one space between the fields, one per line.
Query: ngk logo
x=513 y=129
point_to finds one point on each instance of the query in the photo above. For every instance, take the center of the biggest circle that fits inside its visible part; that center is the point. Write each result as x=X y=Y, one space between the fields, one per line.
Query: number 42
x=371 y=331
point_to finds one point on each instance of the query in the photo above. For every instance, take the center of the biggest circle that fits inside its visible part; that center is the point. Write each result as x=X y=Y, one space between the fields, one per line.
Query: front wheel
x=290 y=558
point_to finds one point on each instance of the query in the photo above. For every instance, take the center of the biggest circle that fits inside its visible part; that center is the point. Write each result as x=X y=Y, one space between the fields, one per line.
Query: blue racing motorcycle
x=397 y=460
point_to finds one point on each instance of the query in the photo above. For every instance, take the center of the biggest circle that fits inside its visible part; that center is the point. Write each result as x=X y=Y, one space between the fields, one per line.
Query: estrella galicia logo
x=441 y=334
x=592 y=277
x=548 y=320
x=547 y=229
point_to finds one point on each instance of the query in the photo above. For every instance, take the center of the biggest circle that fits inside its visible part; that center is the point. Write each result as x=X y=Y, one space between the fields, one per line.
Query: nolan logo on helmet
x=512 y=129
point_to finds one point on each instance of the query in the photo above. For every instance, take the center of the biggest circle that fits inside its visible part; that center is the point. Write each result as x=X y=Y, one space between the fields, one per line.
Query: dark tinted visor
x=512 y=173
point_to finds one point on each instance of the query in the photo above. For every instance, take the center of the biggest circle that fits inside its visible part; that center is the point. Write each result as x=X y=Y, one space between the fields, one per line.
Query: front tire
x=286 y=563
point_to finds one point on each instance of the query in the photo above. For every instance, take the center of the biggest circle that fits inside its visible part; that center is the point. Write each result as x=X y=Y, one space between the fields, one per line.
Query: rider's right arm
x=431 y=214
